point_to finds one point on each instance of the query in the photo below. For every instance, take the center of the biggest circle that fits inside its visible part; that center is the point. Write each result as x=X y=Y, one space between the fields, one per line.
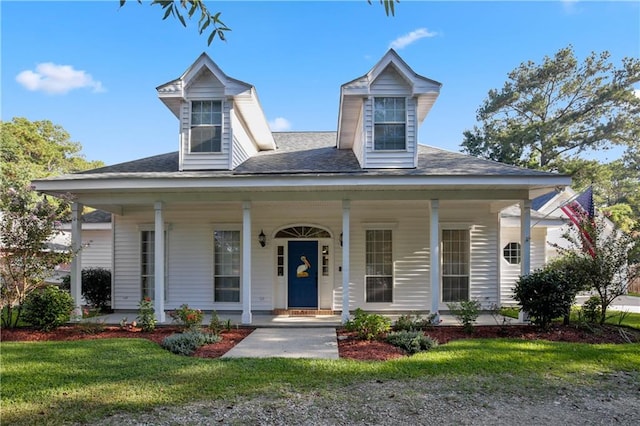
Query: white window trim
x=222 y=125
x=224 y=227
x=444 y=226
x=373 y=121
x=145 y=227
x=393 y=265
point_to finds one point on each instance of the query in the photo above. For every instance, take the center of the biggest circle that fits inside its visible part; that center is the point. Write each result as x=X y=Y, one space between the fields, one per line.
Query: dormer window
x=206 y=126
x=390 y=120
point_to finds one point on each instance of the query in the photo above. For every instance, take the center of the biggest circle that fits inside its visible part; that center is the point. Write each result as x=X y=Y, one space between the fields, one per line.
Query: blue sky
x=92 y=67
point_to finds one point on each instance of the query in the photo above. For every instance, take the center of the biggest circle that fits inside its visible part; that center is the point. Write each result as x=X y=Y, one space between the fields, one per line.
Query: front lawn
x=83 y=381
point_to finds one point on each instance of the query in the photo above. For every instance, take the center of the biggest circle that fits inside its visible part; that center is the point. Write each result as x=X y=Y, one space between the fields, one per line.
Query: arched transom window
x=303 y=232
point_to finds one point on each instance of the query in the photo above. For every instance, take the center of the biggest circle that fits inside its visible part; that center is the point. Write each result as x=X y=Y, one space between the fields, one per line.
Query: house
x=242 y=219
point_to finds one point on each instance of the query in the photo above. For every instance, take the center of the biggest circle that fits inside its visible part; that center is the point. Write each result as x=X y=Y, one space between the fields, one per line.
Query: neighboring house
x=243 y=219
x=97 y=243
x=548 y=223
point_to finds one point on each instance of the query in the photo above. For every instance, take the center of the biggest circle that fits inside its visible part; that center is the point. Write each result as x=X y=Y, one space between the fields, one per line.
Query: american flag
x=581 y=212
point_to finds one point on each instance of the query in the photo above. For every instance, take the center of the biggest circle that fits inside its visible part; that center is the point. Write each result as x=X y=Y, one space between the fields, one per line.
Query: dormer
x=221 y=120
x=380 y=113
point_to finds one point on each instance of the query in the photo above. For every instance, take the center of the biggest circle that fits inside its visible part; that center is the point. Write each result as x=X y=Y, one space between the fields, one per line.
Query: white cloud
x=570 y=6
x=57 y=79
x=280 y=124
x=405 y=40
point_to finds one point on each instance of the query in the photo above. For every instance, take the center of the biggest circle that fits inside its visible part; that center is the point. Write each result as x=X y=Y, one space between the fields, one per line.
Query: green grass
x=84 y=381
x=627 y=319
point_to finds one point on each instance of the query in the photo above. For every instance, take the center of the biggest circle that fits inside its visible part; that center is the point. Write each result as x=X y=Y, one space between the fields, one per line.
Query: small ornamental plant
x=188 y=318
x=146 y=315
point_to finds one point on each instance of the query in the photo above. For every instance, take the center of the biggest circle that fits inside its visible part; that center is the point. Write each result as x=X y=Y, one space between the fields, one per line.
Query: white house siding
x=409 y=223
x=511 y=272
x=205 y=87
x=97 y=249
x=242 y=148
x=483 y=229
x=390 y=159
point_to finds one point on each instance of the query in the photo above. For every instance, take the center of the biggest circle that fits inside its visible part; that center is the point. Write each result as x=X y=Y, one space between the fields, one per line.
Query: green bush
x=188 y=318
x=215 y=325
x=187 y=343
x=411 y=341
x=48 y=308
x=545 y=295
x=96 y=287
x=410 y=322
x=368 y=326
x=466 y=312
x=146 y=315
x=592 y=309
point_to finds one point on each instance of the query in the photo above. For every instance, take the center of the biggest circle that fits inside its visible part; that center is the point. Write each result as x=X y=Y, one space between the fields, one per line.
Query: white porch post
x=346 y=270
x=525 y=237
x=525 y=246
x=246 y=262
x=434 y=261
x=159 y=259
x=76 y=262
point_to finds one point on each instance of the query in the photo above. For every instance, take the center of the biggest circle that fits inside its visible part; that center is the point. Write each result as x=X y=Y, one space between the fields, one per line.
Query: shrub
x=65 y=283
x=466 y=312
x=48 y=309
x=96 y=287
x=408 y=322
x=146 y=315
x=187 y=343
x=188 y=318
x=368 y=326
x=545 y=295
x=411 y=341
x=215 y=325
x=592 y=309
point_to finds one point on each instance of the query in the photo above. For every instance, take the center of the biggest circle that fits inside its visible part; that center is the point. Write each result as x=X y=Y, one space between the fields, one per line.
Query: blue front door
x=302 y=274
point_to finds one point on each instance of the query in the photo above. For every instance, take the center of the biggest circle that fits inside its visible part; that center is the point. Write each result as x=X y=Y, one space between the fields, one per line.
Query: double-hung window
x=455 y=265
x=390 y=123
x=379 y=266
x=206 y=126
x=148 y=263
x=226 y=265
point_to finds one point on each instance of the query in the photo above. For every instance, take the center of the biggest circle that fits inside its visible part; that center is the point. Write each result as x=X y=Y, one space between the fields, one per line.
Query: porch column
x=246 y=262
x=159 y=259
x=525 y=237
x=76 y=262
x=434 y=261
x=346 y=270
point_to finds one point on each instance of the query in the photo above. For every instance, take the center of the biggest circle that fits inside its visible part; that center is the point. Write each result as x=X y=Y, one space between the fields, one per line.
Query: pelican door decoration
x=301 y=272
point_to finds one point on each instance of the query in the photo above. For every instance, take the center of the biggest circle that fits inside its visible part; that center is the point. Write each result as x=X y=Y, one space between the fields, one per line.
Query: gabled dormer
x=380 y=113
x=221 y=120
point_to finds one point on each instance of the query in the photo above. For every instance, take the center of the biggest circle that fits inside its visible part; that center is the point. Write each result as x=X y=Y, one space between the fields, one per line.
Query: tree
x=26 y=225
x=28 y=221
x=212 y=21
x=610 y=265
x=37 y=149
x=548 y=112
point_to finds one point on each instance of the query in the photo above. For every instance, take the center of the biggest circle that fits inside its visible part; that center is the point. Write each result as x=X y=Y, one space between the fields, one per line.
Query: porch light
x=341 y=239
x=262 y=239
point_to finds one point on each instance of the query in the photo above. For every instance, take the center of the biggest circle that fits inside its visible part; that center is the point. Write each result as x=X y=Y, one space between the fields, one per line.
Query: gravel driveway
x=613 y=399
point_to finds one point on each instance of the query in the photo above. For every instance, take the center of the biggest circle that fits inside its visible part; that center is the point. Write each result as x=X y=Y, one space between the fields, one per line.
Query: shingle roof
x=315 y=152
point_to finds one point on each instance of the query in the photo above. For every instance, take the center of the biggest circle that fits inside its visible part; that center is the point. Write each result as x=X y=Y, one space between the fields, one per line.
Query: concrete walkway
x=310 y=342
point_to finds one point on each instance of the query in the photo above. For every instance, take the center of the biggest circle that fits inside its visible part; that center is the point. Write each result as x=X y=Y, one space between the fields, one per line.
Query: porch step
x=302 y=312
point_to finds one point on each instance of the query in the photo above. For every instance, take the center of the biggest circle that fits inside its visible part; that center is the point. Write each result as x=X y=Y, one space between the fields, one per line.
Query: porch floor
x=268 y=320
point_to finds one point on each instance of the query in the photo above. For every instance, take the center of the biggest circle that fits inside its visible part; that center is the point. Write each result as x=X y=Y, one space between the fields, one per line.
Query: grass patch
x=627 y=319
x=510 y=311
x=84 y=381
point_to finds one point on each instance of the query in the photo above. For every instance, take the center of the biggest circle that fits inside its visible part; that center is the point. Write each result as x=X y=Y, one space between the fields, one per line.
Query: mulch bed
x=348 y=345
